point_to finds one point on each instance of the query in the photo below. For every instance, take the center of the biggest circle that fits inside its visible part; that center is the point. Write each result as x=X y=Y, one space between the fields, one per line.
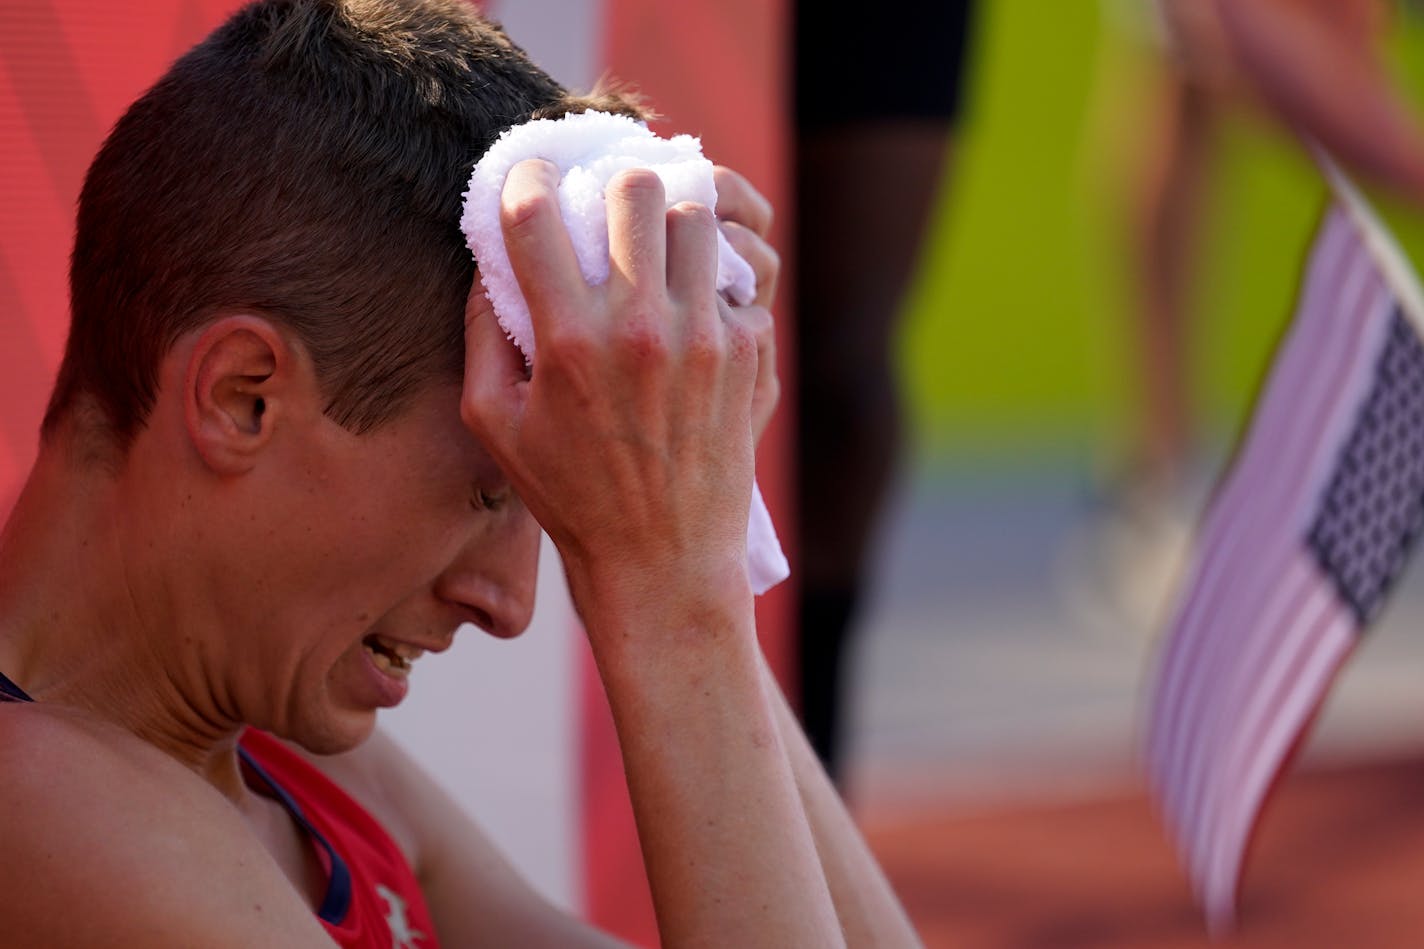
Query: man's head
x=305 y=162
x=268 y=293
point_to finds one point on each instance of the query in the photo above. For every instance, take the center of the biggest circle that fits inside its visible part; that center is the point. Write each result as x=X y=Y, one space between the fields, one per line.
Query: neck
x=90 y=622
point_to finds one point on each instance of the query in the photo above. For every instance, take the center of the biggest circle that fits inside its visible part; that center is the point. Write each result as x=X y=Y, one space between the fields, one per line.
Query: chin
x=339 y=733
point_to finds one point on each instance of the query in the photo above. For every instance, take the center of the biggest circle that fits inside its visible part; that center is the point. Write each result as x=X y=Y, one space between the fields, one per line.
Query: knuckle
x=765 y=259
x=704 y=347
x=692 y=214
x=765 y=214
x=730 y=184
x=643 y=341
x=766 y=264
x=741 y=201
x=773 y=259
x=737 y=235
x=741 y=343
x=765 y=332
x=517 y=213
x=724 y=179
x=565 y=343
x=471 y=416
x=479 y=415
x=758 y=321
x=637 y=184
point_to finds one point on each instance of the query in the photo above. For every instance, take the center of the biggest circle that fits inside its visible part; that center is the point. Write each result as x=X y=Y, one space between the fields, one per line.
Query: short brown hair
x=305 y=161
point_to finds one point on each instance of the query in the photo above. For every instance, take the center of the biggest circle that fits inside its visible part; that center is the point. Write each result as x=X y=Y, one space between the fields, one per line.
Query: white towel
x=589 y=148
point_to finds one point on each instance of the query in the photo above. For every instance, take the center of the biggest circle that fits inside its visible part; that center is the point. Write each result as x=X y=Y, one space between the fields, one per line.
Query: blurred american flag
x=1308 y=532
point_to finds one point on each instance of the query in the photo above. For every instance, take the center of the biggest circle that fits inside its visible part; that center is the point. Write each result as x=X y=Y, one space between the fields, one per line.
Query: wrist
x=681 y=604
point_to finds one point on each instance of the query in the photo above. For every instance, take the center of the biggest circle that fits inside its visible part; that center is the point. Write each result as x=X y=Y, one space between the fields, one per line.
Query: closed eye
x=482 y=500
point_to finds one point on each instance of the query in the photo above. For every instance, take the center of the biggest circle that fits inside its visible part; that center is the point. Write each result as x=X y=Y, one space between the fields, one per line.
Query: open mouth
x=392 y=658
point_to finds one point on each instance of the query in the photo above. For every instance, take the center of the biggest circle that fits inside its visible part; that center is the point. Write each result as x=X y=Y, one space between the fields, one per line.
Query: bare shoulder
x=108 y=842
x=53 y=749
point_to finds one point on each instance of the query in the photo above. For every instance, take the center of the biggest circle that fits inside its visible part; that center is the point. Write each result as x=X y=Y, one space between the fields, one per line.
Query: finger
x=496 y=376
x=540 y=252
x=482 y=331
x=692 y=255
x=766 y=389
x=759 y=322
x=738 y=201
x=764 y=260
x=637 y=243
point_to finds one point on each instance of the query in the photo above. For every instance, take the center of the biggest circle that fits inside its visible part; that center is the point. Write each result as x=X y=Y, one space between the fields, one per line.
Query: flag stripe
x=1280 y=612
x=1326 y=651
x=1320 y=339
x=1224 y=676
x=1332 y=252
x=1316 y=361
x=1288 y=637
x=1181 y=812
x=1266 y=619
x=1276 y=436
x=1272 y=534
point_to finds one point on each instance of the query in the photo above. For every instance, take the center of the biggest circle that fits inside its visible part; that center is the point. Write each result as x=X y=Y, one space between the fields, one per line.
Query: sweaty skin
x=652 y=542
x=232 y=567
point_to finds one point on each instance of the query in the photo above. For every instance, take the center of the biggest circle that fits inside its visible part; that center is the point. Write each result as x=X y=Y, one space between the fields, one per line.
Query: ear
x=239 y=380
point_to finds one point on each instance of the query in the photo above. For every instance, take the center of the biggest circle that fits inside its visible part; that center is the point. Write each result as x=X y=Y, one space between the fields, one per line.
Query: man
x=269 y=482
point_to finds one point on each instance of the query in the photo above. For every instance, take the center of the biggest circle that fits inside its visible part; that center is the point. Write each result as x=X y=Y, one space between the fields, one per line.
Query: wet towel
x=589 y=148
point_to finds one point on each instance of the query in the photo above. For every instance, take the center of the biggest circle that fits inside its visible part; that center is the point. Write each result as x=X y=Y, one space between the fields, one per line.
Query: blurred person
x=1218 y=54
x=1292 y=569
x=1118 y=573
x=289 y=451
x=868 y=160
x=1265 y=57
x=1318 y=67
x=1193 y=82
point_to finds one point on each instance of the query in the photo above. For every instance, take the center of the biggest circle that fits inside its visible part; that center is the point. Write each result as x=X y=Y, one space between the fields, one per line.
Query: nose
x=492 y=580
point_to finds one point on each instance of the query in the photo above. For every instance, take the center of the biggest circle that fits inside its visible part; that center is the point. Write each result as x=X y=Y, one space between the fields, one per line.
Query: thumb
x=496 y=376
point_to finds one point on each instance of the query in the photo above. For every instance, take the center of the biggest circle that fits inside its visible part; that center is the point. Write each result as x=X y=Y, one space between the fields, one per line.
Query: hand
x=631 y=441
x=745 y=217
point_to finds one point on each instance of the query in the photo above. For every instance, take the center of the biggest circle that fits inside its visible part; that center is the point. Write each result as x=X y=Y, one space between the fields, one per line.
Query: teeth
x=397 y=666
x=404 y=650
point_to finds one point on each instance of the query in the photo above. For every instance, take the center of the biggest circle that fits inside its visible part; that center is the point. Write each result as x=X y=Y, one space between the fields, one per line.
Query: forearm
x=1324 y=79
x=631 y=444
x=729 y=853
x=870 y=913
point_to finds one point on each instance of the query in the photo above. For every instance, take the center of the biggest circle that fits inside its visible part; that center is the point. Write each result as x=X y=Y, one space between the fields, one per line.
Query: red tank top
x=373 y=900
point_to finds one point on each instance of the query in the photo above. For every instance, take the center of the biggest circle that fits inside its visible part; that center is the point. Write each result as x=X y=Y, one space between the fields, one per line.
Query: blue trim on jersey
x=337 y=901
x=10 y=692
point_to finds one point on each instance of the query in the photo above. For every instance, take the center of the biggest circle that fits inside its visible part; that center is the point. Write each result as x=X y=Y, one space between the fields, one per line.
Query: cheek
x=381 y=523
x=401 y=527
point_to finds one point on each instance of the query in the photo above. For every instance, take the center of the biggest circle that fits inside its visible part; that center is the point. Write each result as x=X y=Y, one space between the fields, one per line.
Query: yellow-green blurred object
x=1016 y=336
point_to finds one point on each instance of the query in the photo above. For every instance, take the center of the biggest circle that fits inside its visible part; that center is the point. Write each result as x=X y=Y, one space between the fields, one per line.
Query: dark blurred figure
x=877 y=91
